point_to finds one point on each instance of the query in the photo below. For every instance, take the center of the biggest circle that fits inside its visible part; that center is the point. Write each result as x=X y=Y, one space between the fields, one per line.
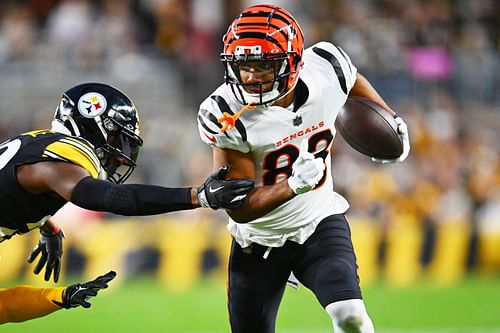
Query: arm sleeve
x=130 y=199
x=22 y=303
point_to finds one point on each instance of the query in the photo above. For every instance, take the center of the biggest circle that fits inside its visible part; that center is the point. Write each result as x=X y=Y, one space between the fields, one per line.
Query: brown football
x=368 y=128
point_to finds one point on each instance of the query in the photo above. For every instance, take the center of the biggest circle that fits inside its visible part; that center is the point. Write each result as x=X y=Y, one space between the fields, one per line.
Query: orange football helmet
x=269 y=36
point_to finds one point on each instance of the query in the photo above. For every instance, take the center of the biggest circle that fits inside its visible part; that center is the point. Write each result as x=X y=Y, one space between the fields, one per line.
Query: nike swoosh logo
x=213 y=190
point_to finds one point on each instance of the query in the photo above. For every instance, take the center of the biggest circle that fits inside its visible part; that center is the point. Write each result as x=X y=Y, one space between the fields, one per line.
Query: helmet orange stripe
x=257 y=36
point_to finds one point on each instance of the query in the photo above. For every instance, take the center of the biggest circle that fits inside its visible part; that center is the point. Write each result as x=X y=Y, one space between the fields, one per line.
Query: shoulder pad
x=211 y=110
x=340 y=62
x=76 y=151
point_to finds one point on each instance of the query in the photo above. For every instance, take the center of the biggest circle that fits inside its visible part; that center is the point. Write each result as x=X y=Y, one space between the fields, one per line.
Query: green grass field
x=143 y=305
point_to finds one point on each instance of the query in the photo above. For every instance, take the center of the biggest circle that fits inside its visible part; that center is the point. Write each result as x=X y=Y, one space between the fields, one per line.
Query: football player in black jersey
x=91 y=149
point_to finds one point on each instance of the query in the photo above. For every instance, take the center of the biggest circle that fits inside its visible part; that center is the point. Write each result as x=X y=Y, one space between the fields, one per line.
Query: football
x=368 y=128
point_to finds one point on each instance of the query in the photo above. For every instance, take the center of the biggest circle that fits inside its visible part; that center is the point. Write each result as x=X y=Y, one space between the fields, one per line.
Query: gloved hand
x=217 y=192
x=307 y=171
x=78 y=294
x=51 y=249
x=403 y=134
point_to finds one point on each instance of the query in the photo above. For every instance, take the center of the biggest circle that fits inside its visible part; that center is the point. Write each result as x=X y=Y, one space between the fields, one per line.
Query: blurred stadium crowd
x=435 y=61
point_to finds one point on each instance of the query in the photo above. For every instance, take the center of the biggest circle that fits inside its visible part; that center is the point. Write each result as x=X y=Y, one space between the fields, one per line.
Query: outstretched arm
x=363 y=88
x=23 y=303
x=74 y=184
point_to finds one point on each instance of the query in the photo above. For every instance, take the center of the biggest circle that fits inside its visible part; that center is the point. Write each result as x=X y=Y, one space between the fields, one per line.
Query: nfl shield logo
x=297 y=121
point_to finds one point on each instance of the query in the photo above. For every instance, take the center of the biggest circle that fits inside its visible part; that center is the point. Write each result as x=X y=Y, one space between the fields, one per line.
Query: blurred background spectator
x=435 y=61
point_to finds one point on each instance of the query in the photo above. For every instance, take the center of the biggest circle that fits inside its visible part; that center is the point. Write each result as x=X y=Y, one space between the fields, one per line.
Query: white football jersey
x=273 y=134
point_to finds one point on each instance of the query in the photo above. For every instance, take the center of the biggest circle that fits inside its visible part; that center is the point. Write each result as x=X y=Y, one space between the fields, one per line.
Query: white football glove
x=403 y=134
x=307 y=171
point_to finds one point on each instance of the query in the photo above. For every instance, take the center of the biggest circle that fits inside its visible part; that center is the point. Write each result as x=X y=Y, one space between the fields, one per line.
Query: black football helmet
x=108 y=120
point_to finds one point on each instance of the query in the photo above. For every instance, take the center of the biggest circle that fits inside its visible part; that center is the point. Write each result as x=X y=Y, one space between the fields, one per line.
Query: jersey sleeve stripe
x=69 y=151
x=335 y=64
x=89 y=151
x=344 y=55
x=54 y=156
x=224 y=107
x=211 y=117
x=202 y=123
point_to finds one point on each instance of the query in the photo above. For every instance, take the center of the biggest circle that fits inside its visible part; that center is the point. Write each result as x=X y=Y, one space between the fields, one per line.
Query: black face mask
x=119 y=155
x=269 y=67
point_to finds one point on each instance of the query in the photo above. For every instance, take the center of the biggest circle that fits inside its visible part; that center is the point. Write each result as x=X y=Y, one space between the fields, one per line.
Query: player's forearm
x=131 y=200
x=22 y=303
x=363 y=88
x=261 y=201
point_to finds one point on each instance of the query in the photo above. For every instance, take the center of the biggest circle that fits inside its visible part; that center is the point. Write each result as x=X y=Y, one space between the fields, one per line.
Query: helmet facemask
x=118 y=155
x=275 y=69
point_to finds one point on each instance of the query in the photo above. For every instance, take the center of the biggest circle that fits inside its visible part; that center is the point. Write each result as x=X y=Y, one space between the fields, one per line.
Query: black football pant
x=325 y=263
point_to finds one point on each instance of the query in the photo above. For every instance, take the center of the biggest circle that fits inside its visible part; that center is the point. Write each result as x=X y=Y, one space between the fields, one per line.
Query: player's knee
x=352 y=324
x=349 y=315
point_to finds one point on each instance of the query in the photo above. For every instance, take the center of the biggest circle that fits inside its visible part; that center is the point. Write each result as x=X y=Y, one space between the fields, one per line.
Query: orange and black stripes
x=224 y=107
x=211 y=118
x=344 y=55
x=264 y=22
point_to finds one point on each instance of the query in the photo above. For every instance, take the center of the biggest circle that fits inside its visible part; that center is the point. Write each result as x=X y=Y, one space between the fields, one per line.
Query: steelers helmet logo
x=92 y=105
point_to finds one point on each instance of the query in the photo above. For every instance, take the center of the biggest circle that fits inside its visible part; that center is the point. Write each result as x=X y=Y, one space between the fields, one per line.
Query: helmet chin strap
x=267 y=97
x=271 y=96
x=264 y=98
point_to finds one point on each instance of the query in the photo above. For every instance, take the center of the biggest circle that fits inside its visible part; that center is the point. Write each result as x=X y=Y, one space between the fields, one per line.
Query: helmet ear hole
x=109 y=125
x=100 y=153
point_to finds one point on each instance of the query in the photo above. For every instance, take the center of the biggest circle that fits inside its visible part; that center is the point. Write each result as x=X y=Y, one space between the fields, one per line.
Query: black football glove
x=217 y=192
x=50 y=246
x=78 y=294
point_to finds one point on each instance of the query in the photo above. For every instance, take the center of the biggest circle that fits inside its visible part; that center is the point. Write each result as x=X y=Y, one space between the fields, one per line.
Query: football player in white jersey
x=273 y=117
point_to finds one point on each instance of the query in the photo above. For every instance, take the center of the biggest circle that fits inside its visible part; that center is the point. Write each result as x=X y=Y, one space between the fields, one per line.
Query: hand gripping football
x=368 y=128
